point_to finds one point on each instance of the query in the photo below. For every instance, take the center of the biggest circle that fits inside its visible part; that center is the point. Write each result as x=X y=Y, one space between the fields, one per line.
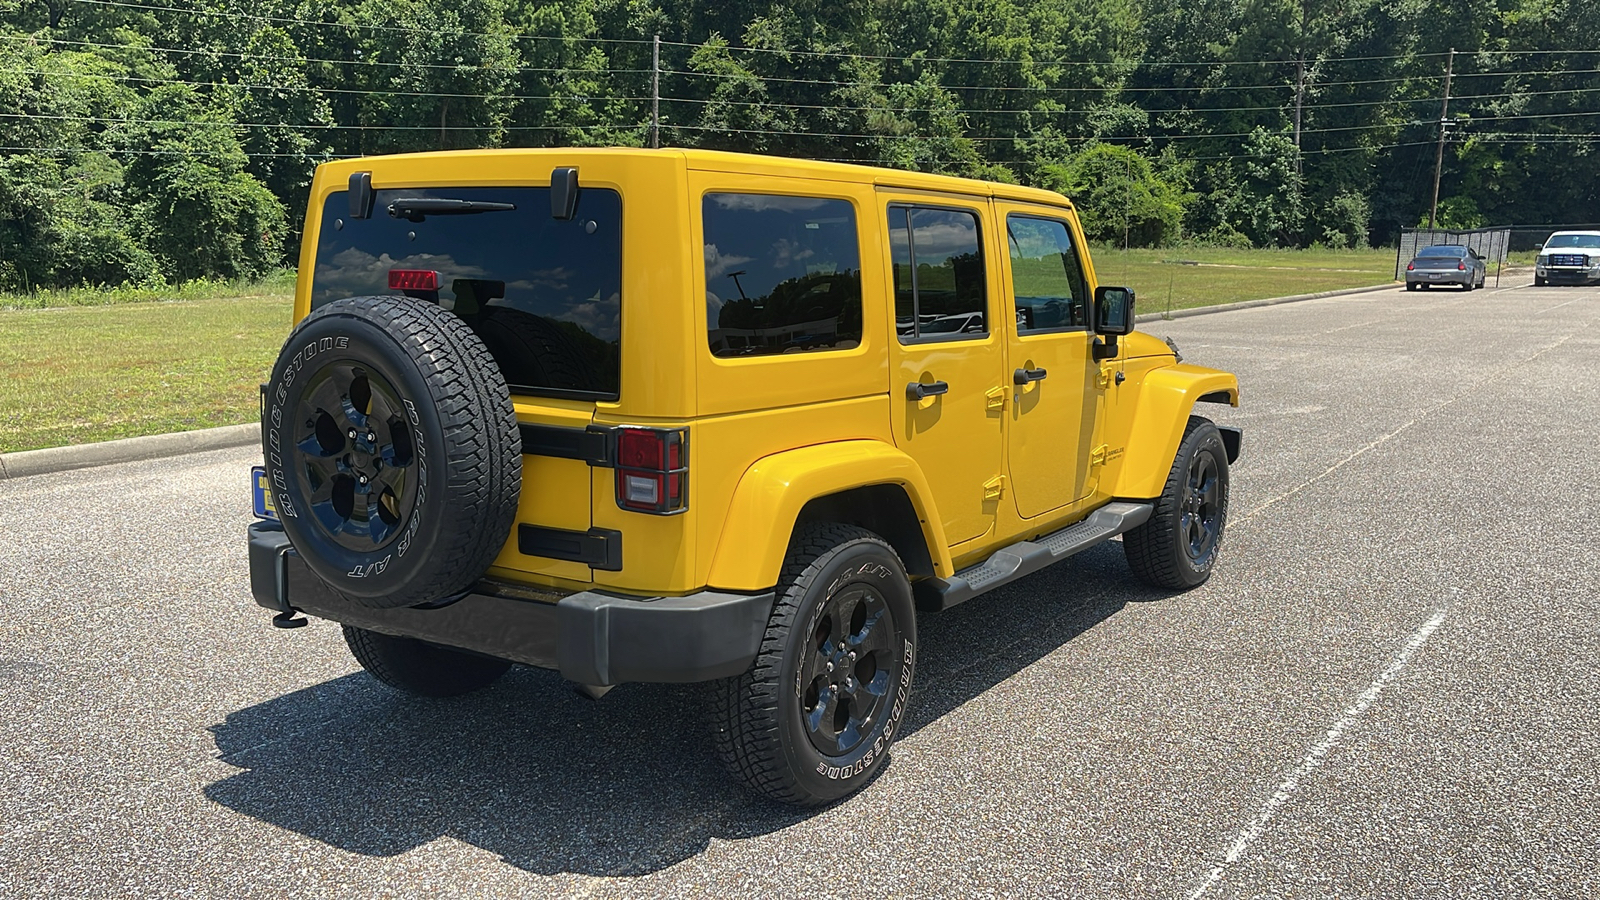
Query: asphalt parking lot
x=1388 y=688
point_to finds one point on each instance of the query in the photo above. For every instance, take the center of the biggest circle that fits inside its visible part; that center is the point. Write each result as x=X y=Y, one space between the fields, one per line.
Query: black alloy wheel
x=1201 y=518
x=357 y=455
x=846 y=673
x=1178 y=546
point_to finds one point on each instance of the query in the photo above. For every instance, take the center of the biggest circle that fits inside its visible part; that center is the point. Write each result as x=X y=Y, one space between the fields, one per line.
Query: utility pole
x=1300 y=79
x=655 y=91
x=1438 y=160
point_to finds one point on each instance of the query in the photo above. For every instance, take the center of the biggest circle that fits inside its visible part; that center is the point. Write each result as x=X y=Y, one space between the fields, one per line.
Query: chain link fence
x=1491 y=243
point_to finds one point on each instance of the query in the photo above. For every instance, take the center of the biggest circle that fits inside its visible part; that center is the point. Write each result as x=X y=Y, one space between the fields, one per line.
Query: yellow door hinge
x=995 y=398
x=1105 y=378
x=994 y=487
x=1098 y=456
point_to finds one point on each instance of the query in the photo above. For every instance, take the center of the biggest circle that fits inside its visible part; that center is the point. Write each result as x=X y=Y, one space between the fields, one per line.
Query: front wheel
x=1178 y=547
x=1538 y=281
x=813 y=718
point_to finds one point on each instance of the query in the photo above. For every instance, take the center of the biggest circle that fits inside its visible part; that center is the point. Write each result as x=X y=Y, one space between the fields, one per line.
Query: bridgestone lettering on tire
x=392 y=450
x=813 y=719
x=1179 y=545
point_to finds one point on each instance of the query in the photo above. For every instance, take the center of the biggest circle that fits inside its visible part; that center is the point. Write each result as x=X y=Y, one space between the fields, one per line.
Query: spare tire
x=392 y=449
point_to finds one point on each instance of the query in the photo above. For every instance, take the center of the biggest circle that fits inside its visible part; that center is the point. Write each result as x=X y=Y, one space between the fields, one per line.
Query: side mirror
x=1113 y=310
x=1113 y=316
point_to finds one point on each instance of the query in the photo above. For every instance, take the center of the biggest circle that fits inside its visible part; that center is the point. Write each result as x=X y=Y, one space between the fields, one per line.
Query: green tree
x=197 y=208
x=1120 y=195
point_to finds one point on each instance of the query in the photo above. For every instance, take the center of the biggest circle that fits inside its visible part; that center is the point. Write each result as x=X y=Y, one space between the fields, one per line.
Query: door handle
x=916 y=390
x=1028 y=376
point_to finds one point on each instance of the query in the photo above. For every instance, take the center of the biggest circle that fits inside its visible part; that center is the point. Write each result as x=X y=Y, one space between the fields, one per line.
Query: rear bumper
x=590 y=637
x=1424 y=277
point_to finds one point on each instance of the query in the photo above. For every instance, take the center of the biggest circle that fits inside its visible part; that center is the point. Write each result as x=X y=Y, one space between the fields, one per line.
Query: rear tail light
x=652 y=469
x=1411 y=267
x=413 y=280
x=1461 y=267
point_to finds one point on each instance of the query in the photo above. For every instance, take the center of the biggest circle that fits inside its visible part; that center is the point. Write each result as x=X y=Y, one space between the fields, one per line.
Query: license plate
x=262 y=490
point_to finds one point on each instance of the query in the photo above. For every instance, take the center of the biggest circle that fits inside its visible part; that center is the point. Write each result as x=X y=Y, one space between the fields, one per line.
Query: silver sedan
x=1446 y=264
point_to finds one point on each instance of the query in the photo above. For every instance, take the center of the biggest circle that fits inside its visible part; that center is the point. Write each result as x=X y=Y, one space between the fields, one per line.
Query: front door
x=947 y=394
x=1052 y=429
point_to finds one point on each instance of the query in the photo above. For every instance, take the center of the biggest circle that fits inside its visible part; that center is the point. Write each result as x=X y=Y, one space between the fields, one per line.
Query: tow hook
x=288 y=620
x=286 y=617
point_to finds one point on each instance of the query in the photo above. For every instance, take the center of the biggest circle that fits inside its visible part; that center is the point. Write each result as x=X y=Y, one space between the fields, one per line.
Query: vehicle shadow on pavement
x=553 y=783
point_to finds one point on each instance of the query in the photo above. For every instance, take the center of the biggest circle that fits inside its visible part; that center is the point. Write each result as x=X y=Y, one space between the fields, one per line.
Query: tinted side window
x=940 y=288
x=544 y=294
x=783 y=274
x=1046 y=280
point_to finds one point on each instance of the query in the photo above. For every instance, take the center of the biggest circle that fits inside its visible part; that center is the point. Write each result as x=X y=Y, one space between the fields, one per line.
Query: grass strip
x=81 y=374
x=1167 y=280
x=278 y=285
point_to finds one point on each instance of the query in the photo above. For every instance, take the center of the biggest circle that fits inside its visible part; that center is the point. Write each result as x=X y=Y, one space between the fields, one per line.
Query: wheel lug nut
x=352 y=434
x=830 y=667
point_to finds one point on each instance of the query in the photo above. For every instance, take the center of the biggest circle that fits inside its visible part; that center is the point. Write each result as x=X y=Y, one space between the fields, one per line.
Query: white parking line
x=1318 y=752
x=1559 y=305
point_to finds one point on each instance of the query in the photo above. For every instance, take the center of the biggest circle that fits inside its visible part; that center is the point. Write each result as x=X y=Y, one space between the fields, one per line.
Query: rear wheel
x=1178 y=547
x=813 y=718
x=1411 y=285
x=420 y=668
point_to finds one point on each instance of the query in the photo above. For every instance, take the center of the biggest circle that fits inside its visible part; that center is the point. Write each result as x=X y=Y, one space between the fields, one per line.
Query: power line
x=1042 y=63
x=403 y=29
x=314 y=126
x=186 y=152
x=326 y=90
x=298 y=59
x=1090 y=112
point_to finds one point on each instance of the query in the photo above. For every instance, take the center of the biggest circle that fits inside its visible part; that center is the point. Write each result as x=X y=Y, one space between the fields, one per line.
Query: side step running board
x=1026 y=557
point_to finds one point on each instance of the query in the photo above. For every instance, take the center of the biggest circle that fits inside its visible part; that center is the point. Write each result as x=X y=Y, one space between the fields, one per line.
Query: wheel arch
x=1167 y=399
x=866 y=483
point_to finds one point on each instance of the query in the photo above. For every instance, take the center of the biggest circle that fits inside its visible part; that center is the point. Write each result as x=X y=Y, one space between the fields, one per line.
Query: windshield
x=544 y=294
x=1588 y=241
x=1442 y=250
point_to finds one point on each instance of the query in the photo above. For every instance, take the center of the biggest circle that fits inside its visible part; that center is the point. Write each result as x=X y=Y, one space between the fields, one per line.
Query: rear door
x=1053 y=416
x=946 y=393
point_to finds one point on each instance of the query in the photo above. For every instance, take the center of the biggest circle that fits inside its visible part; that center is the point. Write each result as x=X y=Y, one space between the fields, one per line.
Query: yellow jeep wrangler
x=683 y=416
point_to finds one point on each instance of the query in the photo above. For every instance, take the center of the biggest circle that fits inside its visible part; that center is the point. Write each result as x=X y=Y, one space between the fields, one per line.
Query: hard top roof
x=722 y=161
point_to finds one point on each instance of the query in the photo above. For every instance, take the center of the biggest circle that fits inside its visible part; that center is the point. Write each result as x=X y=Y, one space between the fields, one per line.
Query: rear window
x=545 y=294
x=783 y=274
x=1442 y=250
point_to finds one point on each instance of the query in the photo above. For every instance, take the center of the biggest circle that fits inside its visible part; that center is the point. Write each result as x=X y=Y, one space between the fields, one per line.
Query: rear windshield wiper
x=416 y=209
